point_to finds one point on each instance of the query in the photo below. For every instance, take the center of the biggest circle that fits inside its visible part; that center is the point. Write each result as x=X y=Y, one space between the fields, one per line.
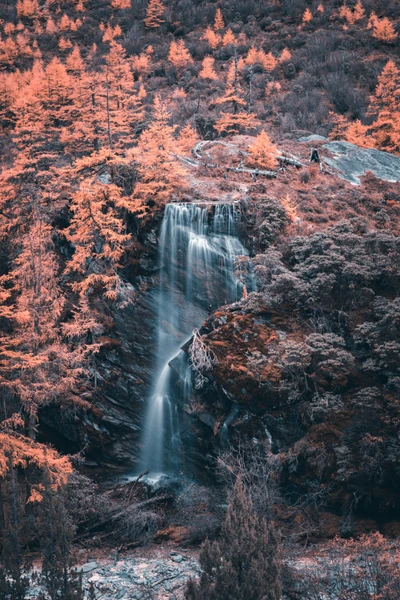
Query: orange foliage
x=262 y=152
x=268 y=61
x=352 y=16
x=19 y=452
x=384 y=31
x=161 y=174
x=121 y=4
x=179 y=55
x=207 y=71
x=385 y=108
x=219 y=20
x=187 y=139
x=237 y=119
x=307 y=16
x=285 y=55
x=351 y=131
x=28 y=8
x=228 y=38
x=154 y=14
x=212 y=38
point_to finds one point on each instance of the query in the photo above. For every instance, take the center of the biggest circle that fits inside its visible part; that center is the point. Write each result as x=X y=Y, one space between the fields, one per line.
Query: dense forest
x=199 y=299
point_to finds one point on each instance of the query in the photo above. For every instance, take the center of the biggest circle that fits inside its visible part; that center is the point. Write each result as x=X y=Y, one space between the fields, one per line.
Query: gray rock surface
x=352 y=162
x=136 y=576
x=86 y=568
x=313 y=138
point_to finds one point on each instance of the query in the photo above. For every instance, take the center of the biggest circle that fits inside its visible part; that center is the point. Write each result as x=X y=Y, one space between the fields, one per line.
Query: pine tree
x=154 y=14
x=97 y=233
x=13 y=583
x=262 y=152
x=243 y=563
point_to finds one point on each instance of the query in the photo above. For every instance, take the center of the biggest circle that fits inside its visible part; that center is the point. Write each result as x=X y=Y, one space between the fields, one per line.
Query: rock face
x=352 y=162
x=110 y=430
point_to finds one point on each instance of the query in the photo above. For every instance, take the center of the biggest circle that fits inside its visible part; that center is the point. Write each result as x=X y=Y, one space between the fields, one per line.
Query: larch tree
x=219 y=20
x=161 y=174
x=263 y=152
x=384 y=107
x=97 y=234
x=154 y=14
x=307 y=16
x=384 y=31
x=187 y=139
x=285 y=55
x=237 y=119
x=179 y=55
x=207 y=70
x=35 y=364
x=121 y=4
x=212 y=38
x=243 y=563
x=228 y=38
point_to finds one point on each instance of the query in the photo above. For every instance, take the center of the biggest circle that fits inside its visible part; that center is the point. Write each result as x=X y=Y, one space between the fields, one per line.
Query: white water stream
x=198 y=247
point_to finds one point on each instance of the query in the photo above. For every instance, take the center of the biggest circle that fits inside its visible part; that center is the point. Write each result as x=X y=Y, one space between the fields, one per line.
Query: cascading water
x=198 y=246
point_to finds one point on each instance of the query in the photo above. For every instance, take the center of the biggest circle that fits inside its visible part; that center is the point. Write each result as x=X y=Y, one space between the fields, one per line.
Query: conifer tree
x=213 y=39
x=385 y=108
x=219 y=20
x=262 y=152
x=307 y=16
x=121 y=4
x=384 y=31
x=207 y=71
x=238 y=119
x=179 y=55
x=154 y=14
x=161 y=174
x=57 y=531
x=228 y=38
x=243 y=564
x=187 y=139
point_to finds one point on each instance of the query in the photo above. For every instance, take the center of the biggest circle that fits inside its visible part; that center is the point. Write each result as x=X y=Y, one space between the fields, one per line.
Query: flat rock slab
x=312 y=138
x=87 y=567
x=352 y=162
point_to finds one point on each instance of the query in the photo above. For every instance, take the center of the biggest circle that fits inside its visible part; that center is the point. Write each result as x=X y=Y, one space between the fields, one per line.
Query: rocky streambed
x=152 y=573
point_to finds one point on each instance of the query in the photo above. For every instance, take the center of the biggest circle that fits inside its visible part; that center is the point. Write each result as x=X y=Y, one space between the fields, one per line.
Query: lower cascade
x=198 y=247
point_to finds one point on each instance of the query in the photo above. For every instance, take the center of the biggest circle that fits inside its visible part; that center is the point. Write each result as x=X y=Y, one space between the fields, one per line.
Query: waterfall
x=197 y=250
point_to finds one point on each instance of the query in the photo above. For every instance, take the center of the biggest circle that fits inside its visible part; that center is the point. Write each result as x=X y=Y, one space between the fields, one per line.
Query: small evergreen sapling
x=243 y=564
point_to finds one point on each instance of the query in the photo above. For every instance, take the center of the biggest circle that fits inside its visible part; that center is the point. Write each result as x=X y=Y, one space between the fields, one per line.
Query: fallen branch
x=290 y=161
x=165 y=579
x=269 y=174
